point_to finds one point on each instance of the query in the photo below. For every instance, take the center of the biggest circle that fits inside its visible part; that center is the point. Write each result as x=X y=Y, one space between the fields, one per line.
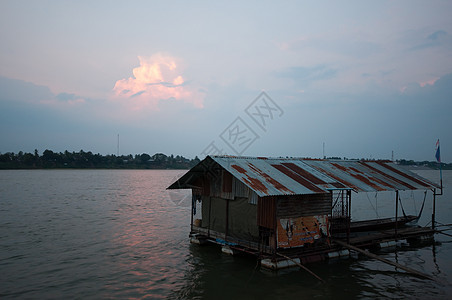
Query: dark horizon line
x=196 y=156
x=51 y=159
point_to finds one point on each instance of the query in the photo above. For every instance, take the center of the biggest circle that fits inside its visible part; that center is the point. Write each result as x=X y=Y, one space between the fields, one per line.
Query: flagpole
x=438 y=158
x=441 y=177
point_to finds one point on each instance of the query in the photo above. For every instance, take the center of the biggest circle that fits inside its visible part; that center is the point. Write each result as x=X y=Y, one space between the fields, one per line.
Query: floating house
x=290 y=207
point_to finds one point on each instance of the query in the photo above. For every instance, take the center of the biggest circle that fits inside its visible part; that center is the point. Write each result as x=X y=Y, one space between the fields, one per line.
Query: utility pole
x=117 y=152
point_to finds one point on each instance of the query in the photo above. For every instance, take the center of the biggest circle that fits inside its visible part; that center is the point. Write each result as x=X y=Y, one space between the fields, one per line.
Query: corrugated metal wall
x=269 y=208
x=239 y=189
x=226 y=186
x=304 y=205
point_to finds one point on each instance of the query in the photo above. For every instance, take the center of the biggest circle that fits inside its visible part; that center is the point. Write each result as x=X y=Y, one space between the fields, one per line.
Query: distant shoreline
x=159 y=161
x=113 y=169
x=415 y=167
x=88 y=160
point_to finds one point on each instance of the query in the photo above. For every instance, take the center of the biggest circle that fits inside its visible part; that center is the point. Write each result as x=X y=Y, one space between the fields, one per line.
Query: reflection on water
x=215 y=275
x=117 y=234
x=89 y=233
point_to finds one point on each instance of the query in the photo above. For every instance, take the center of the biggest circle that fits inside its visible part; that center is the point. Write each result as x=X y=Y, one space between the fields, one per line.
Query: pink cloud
x=428 y=82
x=157 y=78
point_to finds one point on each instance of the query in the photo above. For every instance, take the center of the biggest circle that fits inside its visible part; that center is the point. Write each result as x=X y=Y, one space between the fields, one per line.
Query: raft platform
x=292 y=257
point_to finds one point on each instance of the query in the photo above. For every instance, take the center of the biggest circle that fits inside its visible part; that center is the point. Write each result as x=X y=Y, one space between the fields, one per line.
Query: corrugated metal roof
x=294 y=176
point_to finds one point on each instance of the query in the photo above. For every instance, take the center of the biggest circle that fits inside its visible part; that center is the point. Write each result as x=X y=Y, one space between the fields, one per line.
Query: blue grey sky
x=364 y=78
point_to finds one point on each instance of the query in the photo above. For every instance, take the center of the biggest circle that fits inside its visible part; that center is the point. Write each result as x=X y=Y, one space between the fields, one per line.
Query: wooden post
x=227 y=220
x=193 y=202
x=275 y=226
x=396 y=213
x=210 y=212
x=342 y=202
x=301 y=266
x=434 y=208
x=349 y=214
x=330 y=234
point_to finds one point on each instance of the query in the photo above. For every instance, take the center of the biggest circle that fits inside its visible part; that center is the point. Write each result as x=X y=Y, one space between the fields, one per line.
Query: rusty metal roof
x=296 y=176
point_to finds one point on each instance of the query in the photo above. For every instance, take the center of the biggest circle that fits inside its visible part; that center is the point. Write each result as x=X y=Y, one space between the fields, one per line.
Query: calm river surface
x=95 y=234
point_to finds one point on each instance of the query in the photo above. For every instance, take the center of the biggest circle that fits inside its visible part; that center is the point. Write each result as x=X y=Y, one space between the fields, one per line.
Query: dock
x=414 y=236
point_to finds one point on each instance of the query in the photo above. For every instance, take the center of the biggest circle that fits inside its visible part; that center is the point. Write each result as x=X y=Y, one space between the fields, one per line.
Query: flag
x=437 y=155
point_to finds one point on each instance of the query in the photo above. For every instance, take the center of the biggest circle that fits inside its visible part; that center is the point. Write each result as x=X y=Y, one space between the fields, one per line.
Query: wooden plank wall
x=266 y=212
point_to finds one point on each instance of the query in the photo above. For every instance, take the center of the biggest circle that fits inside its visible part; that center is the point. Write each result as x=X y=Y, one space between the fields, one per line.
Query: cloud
x=429 y=82
x=15 y=90
x=437 y=35
x=439 y=38
x=309 y=74
x=157 y=78
x=70 y=98
x=19 y=92
x=338 y=45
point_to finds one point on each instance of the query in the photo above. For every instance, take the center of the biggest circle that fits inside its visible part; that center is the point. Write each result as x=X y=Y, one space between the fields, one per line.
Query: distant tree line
x=88 y=160
x=429 y=164
x=403 y=162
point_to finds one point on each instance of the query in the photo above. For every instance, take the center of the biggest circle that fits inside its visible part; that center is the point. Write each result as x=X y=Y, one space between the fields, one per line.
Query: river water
x=96 y=234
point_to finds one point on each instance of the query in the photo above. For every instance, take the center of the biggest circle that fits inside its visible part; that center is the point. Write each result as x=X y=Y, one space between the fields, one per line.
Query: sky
x=354 y=79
